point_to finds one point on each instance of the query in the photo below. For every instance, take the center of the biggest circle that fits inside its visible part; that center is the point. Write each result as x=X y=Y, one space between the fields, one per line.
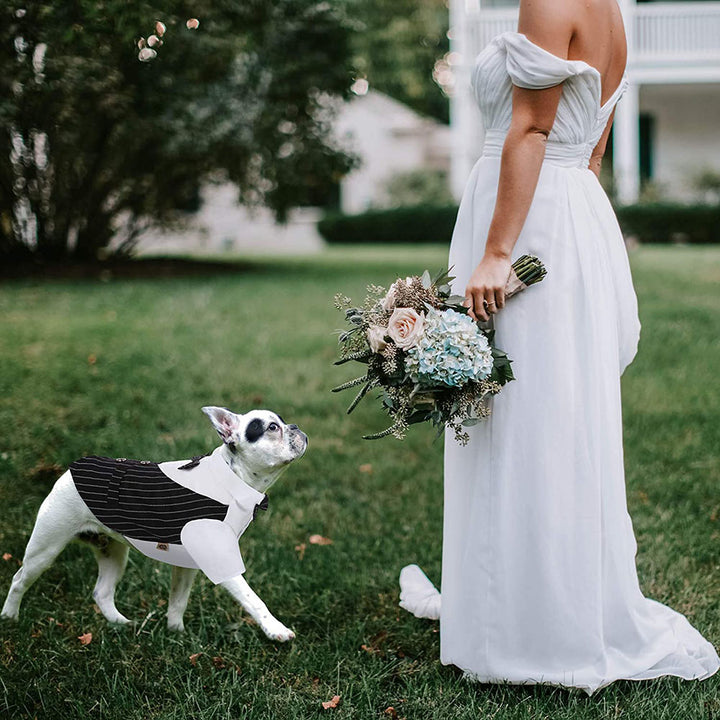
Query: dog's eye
x=273 y=426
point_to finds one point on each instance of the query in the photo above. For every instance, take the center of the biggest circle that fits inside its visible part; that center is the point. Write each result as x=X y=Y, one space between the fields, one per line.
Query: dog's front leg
x=257 y=609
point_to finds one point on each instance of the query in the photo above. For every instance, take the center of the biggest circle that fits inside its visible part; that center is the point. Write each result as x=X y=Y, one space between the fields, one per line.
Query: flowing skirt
x=539 y=583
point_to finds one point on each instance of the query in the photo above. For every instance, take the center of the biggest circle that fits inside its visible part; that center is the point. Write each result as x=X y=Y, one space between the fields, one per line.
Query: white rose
x=376 y=337
x=390 y=298
x=405 y=327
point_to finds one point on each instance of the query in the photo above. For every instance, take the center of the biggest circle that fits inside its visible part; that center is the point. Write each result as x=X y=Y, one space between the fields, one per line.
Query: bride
x=539 y=583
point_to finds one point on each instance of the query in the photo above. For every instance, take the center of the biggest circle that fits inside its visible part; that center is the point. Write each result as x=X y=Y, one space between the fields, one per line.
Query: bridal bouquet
x=431 y=361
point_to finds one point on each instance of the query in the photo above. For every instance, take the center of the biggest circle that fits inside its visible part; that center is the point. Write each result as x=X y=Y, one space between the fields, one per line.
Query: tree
x=95 y=145
x=397 y=48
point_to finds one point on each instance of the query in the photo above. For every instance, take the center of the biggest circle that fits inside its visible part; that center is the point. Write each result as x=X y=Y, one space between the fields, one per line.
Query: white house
x=667 y=125
x=390 y=138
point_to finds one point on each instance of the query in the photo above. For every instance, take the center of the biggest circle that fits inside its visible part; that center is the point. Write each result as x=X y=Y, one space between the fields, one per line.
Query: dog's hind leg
x=58 y=521
x=180 y=586
x=111 y=556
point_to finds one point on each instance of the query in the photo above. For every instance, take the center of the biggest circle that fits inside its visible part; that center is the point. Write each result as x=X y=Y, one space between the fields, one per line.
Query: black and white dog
x=188 y=514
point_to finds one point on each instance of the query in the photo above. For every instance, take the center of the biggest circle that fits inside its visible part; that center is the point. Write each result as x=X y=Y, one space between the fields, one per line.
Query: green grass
x=162 y=349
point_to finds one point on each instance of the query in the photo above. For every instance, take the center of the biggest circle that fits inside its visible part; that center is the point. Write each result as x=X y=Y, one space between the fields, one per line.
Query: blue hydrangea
x=452 y=351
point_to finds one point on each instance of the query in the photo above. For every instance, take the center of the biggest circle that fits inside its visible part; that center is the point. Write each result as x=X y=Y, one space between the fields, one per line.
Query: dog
x=188 y=514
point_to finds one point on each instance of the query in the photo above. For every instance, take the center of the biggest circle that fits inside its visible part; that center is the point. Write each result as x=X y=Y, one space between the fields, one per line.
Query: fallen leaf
x=36 y=633
x=391 y=711
x=319 y=540
x=365 y=468
x=85 y=639
x=331 y=703
x=194 y=658
x=300 y=550
x=7 y=556
x=92 y=359
x=218 y=662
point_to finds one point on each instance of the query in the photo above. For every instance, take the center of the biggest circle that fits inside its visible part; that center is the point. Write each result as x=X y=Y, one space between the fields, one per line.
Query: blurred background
x=280 y=127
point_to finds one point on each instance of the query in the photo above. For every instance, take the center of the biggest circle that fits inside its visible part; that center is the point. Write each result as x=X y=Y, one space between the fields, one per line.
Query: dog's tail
x=417 y=594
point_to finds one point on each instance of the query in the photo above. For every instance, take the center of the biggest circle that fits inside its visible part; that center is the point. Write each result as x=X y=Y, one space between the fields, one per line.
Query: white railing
x=668 y=32
x=660 y=33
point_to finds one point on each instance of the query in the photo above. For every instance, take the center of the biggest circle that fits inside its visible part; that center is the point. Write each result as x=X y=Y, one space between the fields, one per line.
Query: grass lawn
x=122 y=367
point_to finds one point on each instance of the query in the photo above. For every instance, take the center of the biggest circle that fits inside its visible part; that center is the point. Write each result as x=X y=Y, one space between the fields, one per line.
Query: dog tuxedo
x=185 y=513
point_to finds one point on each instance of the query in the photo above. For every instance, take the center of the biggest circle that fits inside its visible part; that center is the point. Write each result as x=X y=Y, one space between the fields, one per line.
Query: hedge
x=649 y=223
x=418 y=224
x=671 y=222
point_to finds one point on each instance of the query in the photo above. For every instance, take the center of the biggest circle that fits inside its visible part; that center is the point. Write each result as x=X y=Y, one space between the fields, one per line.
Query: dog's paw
x=176 y=625
x=119 y=619
x=275 y=630
x=9 y=616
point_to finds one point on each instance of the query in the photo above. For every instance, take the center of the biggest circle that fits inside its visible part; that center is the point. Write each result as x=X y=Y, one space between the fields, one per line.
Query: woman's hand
x=485 y=292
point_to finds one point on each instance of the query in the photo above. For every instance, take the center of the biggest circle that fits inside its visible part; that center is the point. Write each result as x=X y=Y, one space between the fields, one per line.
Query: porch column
x=626 y=127
x=626 y=146
x=462 y=111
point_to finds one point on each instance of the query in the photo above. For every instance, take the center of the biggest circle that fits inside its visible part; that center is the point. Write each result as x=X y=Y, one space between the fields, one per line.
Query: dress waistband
x=562 y=154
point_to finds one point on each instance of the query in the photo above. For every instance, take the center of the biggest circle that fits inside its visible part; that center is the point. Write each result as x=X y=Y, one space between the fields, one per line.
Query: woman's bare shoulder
x=549 y=24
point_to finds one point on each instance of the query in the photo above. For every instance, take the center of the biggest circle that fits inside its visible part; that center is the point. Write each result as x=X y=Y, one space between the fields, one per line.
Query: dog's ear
x=224 y=421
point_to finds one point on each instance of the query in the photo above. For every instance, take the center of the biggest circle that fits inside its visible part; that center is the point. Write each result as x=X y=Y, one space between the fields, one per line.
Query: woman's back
x=597 y=35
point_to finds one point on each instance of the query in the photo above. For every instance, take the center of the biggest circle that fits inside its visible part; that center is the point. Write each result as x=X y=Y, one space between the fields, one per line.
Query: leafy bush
x=417 y=224
x=417 y=187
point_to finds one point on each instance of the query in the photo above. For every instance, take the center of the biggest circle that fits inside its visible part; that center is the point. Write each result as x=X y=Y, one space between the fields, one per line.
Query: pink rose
x=405 y=327
x=376 y=337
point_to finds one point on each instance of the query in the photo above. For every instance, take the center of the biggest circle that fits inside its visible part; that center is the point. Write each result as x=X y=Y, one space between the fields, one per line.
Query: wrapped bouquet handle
x=525 y=271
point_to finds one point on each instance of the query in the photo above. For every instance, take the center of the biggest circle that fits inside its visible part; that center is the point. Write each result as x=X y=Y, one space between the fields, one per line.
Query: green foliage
x=92 y=140
x=671 y=222
x=397 y=48
x=419 y=187
x=264 y=338
x=417 y=224
x=706 y=182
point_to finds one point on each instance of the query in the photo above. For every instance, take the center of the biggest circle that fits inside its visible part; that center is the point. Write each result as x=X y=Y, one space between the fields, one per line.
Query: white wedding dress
x=539 y=583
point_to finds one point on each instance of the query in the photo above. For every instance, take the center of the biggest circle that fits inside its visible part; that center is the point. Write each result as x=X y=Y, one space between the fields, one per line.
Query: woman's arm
x=547 y=23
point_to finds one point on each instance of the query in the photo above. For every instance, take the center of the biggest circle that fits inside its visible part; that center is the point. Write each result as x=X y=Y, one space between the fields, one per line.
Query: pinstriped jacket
x=184 y=513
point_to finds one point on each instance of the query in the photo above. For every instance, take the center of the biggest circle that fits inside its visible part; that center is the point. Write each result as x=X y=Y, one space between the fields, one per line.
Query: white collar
x=213 y=477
